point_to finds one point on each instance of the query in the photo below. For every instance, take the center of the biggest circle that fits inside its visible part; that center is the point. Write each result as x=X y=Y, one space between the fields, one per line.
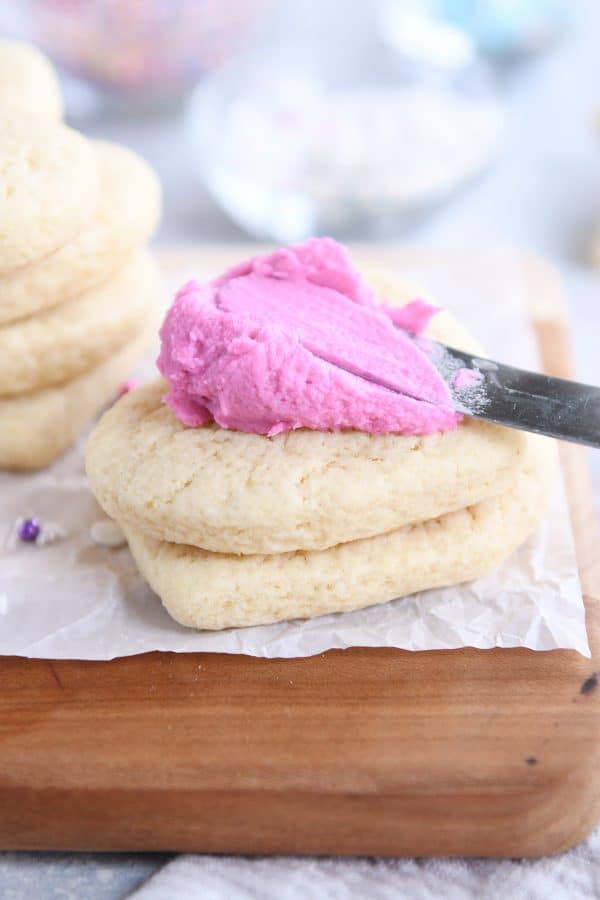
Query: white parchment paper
x=73 y=599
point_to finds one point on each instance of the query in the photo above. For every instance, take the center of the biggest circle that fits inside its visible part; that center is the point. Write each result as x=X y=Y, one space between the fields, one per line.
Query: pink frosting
x=278 y=341
x=466 y=378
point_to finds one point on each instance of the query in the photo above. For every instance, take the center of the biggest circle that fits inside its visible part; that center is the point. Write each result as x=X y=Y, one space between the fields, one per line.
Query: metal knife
x=531 y=401
x=557 y=407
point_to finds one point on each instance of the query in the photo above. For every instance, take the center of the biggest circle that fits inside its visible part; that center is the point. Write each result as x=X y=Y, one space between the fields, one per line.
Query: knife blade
x=517 y=398
x=557 y=407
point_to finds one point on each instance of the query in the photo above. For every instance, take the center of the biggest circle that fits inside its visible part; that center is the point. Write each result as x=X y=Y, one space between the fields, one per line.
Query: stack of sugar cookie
x=78 y=291
x=236 y=529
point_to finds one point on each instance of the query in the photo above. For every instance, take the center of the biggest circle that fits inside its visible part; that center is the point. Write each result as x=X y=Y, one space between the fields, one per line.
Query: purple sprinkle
x=29 y=530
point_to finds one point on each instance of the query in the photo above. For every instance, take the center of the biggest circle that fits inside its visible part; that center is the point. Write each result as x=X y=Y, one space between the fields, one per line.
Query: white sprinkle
x=50 y=533
x=107 y=533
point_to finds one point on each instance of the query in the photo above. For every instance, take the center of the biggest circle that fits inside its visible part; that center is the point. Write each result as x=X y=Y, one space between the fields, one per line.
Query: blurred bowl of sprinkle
x=289 y=151
x=143 y=50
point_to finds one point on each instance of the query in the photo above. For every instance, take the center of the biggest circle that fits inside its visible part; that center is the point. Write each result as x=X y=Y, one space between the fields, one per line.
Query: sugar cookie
x=127 y=213
x=72 y=338
x=212 y=591
x=28 y=83
x=48 y=185
x=35 y=428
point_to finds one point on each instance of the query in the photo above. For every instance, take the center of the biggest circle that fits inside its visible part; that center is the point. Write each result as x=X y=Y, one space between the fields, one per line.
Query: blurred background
x=453 y=122
x=436 y=120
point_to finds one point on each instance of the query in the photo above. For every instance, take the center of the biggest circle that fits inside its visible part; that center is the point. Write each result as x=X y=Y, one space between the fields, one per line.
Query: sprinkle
x=128 y=386
x=51 y=533
x=29 y=530
x=107 y=533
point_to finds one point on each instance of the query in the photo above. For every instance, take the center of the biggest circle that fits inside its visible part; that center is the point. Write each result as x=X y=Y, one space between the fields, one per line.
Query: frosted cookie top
x=280 y=341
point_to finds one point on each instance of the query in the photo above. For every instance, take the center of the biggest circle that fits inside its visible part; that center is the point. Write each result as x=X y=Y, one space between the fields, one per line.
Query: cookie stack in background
x=79 y=293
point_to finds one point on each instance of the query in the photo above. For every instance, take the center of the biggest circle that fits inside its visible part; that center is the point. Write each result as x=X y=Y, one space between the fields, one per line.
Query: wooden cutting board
x=487 y=753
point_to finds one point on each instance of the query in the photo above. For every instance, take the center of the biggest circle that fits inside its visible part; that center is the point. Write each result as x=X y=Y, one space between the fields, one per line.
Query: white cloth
x=574 y=875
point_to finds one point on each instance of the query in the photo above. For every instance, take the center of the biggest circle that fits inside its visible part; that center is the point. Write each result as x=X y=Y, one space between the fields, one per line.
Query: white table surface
x=544 y=194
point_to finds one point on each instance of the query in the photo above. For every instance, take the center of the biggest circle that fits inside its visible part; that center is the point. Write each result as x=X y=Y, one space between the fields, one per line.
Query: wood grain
x=464 y=752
